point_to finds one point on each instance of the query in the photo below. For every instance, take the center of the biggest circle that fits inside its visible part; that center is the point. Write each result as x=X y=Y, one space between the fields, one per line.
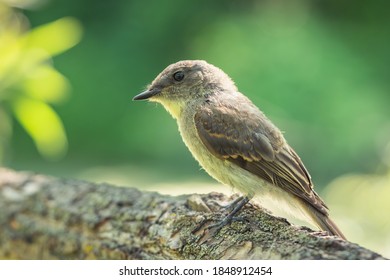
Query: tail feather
x=324 y=222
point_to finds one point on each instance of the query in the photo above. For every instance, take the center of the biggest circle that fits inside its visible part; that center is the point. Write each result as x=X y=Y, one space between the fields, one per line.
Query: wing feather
x=248 y=139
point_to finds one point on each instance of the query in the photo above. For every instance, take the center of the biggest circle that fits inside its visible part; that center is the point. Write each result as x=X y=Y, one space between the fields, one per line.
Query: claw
x=236 y=206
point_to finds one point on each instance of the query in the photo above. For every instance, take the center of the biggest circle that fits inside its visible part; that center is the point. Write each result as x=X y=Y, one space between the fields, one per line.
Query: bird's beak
x=147 y=94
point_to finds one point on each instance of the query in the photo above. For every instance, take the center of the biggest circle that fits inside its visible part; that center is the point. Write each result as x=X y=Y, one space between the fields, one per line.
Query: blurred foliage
x=361 y=201
x=318 y=69
x=28 y=81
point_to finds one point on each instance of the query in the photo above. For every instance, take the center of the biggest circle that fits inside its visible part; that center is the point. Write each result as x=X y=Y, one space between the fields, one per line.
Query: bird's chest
x=189 y=134
x=219 y=169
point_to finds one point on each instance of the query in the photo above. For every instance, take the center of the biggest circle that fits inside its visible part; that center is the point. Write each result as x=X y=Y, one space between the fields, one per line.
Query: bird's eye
x=178 y=76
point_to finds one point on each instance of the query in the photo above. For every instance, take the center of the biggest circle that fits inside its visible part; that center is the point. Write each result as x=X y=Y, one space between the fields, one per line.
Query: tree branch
x=47 y=218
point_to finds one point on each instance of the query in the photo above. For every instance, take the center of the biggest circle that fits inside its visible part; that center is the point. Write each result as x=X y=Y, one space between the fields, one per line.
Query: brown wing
x=243 y=135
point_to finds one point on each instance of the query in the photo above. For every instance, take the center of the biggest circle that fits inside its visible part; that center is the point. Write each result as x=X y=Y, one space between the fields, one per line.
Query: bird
x=235 y=143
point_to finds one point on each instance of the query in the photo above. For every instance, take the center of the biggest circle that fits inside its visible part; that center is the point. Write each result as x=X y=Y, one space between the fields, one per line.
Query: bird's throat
x=175 y=107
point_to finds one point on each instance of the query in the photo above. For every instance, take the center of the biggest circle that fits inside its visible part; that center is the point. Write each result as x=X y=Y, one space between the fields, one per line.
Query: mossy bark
x=47 y=218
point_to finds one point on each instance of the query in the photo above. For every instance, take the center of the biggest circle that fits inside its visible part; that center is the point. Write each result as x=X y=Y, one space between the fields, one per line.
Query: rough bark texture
x=48 y=218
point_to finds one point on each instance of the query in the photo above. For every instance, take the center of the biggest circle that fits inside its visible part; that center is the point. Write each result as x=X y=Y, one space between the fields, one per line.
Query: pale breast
x=222 y=170
x=227 y=173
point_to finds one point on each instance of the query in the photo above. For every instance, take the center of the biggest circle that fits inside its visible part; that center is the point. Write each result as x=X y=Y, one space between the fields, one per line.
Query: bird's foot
x=235 y=206
x=229 y=206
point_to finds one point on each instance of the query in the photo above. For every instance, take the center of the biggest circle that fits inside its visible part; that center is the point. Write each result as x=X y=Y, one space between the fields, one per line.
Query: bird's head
x=185 y=82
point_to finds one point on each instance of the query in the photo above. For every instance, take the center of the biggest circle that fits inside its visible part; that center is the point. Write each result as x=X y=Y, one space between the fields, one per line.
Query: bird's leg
x=236 y=206
x=230 y=206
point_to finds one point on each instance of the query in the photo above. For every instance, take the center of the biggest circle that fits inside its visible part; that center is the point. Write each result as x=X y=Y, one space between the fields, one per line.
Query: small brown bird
x=235 y=142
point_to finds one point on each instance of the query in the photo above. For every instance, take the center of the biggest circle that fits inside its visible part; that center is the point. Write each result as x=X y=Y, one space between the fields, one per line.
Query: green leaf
x=55 y=37
x=43 y=125
x=46 y=84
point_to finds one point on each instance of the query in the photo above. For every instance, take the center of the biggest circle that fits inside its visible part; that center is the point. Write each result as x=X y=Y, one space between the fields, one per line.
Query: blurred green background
x=318 y=69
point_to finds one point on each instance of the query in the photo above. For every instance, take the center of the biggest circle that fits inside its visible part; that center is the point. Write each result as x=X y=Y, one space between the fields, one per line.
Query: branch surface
x=42 y=217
